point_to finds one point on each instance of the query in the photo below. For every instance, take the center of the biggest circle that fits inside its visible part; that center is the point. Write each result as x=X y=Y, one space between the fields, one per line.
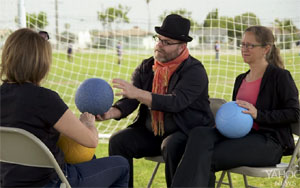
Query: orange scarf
x=162 y=75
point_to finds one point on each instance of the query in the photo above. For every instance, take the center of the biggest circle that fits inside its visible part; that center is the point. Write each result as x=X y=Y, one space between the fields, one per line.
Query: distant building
x=130 y=38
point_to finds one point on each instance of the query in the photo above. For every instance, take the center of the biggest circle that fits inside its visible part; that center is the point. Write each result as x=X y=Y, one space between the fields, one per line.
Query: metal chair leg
x=245 y=181
x=229 y=180
x=153 y=175
x=285 y=178
x=221 y=179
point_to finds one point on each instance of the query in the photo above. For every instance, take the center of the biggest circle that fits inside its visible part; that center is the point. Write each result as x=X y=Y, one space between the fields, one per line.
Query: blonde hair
x=264 y=36
x=26 y=57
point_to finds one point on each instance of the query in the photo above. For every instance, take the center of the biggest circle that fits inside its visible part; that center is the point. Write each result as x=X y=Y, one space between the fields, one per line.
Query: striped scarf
x=162 y=75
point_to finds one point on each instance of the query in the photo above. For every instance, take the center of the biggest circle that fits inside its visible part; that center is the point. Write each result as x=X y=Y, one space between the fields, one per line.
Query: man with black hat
x=171 y=91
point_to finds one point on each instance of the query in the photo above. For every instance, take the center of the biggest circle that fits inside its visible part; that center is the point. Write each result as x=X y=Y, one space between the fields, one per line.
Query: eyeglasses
x=44 y=34
x=249 y=46
x=164 y=42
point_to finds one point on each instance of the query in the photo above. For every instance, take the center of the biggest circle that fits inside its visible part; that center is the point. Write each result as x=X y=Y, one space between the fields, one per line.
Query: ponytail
x=273 y=57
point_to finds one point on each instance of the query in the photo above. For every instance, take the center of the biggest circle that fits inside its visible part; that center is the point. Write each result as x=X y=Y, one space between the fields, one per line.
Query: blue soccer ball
x=232 y=122
x=95 y=96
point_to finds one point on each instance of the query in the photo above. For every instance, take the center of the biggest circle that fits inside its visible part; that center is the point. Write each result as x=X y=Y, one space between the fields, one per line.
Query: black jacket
x=186 y=99
x=277 y=104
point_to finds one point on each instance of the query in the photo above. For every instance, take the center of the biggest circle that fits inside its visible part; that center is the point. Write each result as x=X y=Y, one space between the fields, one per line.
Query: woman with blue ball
x=268 y=93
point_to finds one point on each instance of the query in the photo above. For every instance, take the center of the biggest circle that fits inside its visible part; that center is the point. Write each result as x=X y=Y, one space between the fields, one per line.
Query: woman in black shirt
x=26 y=59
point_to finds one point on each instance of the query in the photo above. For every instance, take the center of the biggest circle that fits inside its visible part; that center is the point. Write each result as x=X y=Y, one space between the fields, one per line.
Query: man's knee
x=166 y=150
x=173 y=145
x=202 y=132
x=203 y=137
x=124 y=142
x=116 y=144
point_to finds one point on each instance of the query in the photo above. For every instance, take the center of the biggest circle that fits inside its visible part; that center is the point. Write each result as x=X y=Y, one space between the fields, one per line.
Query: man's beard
x=161 y=55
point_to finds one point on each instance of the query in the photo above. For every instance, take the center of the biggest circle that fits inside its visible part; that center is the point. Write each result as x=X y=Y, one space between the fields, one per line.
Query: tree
x=183 y=13
x=234 y=26
x=288 y=32
x=36 y=21
x=212 y=19
x=243 y=21
x=67 y=26
x=67 y=36
x=114 y=15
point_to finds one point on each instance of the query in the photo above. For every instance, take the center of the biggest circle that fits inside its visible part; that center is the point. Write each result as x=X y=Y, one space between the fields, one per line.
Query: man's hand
x=131 y=92
x=128 y=90
x=112 y=113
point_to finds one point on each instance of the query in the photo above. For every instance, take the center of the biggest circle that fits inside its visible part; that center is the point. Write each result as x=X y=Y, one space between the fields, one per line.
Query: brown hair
x=26 y=57
x=265 y=36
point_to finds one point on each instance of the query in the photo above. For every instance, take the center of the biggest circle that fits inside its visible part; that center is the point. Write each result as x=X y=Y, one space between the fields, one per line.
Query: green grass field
x=65 y=78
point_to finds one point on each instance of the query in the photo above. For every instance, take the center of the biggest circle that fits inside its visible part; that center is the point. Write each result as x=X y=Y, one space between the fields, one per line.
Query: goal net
x=111 y=45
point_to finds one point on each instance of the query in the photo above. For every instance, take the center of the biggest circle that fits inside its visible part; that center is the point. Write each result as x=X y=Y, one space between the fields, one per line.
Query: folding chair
x=282 y=169
x=215 y=104
x=19 y=146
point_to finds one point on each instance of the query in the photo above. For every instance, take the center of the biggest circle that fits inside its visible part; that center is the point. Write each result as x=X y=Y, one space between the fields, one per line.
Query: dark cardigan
x=186 y=99
x=277 y=104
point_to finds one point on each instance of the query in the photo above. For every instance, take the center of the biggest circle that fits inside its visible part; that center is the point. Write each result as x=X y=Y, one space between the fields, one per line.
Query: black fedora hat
x=175 y=27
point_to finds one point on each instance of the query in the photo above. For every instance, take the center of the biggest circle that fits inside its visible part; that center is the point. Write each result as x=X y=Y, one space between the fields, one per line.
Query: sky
x=82 y=14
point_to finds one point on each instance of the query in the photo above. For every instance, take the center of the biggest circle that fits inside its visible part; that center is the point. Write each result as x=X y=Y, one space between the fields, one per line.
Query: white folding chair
x=283 y=169
x=21 y=147
x=215 y=104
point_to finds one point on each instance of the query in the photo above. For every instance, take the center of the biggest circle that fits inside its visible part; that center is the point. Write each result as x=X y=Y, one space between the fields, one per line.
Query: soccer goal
x=111 y=46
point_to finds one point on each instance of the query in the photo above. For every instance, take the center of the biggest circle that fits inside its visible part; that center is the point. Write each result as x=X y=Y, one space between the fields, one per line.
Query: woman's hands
x=87 y=119
x=250 y=108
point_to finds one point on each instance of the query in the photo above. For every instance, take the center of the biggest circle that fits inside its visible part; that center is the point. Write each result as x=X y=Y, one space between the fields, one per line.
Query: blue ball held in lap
x=95 y=96
x=232 y=122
